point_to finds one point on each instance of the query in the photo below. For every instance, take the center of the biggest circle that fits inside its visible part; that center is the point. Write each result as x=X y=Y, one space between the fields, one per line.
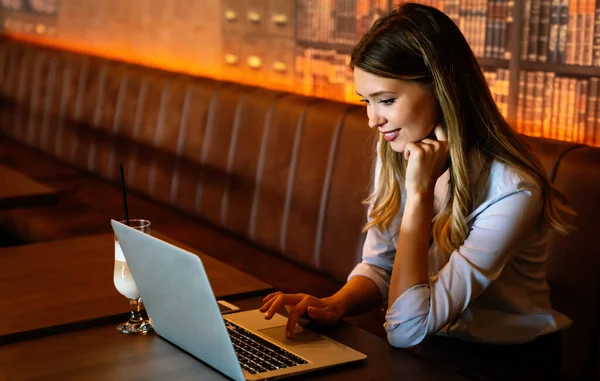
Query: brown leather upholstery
x=254 y=162
x=574 y=260
x=270 y=182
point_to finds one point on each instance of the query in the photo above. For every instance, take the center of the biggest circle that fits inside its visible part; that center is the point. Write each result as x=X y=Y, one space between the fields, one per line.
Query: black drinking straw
x=126 y=210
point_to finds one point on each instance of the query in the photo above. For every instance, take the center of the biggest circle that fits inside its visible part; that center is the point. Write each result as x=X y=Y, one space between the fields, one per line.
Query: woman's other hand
x=323 y=311
x=426 y=162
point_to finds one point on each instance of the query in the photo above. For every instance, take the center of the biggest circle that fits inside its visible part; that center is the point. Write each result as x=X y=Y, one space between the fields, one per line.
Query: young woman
x=460 y=211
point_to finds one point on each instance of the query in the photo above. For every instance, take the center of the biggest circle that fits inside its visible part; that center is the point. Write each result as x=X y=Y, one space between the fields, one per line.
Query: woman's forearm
x=410 y=264
x=358 y=295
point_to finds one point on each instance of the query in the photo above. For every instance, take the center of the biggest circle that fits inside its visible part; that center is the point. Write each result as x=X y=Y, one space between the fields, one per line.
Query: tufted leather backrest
x=574 y=260
x=283 y=171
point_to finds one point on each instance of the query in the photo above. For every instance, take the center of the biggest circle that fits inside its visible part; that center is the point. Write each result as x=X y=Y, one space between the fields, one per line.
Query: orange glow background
x=194 y=37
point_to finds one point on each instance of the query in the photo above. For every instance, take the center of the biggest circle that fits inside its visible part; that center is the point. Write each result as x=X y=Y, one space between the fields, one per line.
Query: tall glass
x=126 y=286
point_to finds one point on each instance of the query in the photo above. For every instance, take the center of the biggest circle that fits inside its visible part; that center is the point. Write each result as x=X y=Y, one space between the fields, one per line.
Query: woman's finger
x=269 y=309
x=271 y=295
x=410 y=147
x=268 y=300
x=430 y=142
x=267 y=305
x=280 y=301
x=295 y=313
x=440 y=134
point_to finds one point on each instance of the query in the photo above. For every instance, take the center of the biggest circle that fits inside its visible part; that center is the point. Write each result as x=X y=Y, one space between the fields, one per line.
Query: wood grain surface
x=69 y=281
x=18 y=190
x=102 y=353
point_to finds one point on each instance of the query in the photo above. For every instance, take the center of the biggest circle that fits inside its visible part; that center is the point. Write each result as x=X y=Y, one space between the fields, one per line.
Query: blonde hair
x=419 y=43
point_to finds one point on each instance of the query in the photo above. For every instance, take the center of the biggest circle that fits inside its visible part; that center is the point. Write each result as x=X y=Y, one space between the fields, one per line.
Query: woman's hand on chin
x=426 y=162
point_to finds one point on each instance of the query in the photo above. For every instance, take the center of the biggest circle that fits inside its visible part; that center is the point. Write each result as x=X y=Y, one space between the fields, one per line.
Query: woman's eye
x=363 y=100
x=387 y=101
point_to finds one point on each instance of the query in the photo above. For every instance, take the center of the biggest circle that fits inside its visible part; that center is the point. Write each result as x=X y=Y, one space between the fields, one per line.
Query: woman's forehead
x=368 y=83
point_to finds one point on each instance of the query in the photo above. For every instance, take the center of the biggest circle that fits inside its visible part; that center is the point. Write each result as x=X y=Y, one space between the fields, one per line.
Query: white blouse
x=492 y=288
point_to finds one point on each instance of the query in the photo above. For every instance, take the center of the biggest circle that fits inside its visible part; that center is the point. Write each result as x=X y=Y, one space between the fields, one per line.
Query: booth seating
x=269 y=182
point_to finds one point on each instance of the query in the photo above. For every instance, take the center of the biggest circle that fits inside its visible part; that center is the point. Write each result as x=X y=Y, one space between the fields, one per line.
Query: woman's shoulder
x=504 y=177
x=503 y=180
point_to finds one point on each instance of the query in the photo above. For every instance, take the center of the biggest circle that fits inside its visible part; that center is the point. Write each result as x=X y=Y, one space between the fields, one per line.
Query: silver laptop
x=183 y=309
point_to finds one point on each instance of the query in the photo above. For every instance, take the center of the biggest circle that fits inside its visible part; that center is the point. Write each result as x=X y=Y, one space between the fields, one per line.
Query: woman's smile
x=392 y=135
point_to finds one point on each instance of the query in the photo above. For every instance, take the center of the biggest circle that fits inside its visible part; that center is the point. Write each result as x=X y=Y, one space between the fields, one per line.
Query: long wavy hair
x=420 y=43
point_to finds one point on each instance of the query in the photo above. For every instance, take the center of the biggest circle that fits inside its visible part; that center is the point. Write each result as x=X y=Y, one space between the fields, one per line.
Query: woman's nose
x=375 y=120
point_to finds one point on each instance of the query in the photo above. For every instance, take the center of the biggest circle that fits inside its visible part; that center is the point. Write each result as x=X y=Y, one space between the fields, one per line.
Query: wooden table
x=102 y=353
x=48 y=285
x=18 y=190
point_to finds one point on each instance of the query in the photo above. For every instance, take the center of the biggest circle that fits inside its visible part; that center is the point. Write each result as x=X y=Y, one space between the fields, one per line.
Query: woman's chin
x=398 y=145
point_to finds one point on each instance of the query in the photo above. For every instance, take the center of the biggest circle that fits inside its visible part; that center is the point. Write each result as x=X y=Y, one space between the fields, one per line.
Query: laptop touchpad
x=301 y=336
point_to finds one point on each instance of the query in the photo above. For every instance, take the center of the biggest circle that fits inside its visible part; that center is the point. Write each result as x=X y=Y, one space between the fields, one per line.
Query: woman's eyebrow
x=377 y=93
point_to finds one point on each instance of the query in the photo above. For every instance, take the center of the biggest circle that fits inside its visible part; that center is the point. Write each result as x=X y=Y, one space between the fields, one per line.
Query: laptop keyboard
x=257 y=355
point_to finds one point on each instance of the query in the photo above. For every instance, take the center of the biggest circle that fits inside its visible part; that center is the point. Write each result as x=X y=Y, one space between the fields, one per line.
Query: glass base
x=135 y=328
x=136 y=325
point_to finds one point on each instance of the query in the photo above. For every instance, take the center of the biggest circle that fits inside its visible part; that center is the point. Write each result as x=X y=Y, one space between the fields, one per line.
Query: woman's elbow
x=408 y=333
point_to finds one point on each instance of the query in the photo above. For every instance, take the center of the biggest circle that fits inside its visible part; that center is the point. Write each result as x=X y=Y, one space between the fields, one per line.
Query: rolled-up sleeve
x=497 y=233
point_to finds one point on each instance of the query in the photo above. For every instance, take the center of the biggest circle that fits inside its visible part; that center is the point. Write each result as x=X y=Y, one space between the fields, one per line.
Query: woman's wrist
x=337 y=303
x=420 y=195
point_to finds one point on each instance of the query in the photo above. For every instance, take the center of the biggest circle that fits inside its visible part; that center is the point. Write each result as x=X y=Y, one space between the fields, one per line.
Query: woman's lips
x=391 y=135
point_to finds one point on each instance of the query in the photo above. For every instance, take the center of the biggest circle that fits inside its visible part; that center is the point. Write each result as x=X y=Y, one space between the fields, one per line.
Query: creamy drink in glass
x=125 y=284
x=123 y=279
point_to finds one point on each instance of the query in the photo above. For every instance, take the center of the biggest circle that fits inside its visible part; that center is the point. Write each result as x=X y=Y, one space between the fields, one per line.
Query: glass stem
x=136 y=315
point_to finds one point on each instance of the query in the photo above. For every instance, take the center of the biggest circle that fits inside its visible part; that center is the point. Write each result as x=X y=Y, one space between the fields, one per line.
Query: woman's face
x=403 y=111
